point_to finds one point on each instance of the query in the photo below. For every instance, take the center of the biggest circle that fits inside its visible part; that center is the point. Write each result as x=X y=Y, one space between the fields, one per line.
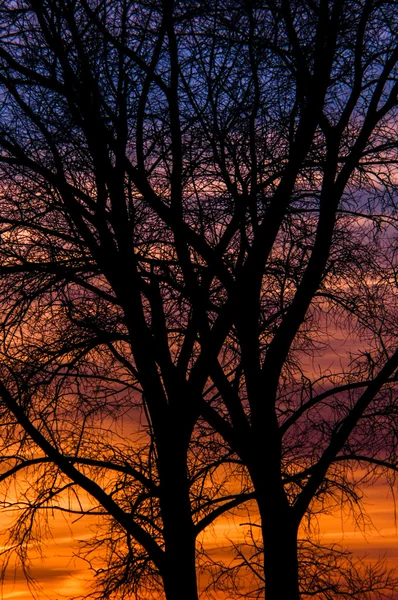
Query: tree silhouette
x=198 y=200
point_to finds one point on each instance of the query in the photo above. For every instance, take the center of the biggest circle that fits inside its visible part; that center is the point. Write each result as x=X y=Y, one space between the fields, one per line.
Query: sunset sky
x=198 y=293
x=60 y=575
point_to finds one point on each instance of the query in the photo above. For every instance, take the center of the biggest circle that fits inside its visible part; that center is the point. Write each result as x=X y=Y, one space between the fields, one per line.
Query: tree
x=326 y=572
x=196 y=197
x=71 y=326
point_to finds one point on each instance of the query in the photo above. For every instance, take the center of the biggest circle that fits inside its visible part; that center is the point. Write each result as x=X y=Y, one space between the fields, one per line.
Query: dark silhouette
x=198 y=201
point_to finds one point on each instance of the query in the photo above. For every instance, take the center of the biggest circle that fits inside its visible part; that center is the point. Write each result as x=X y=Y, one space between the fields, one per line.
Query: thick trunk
x=179 y=574
x=279 y=532
x=280 y=559
x=179 y=580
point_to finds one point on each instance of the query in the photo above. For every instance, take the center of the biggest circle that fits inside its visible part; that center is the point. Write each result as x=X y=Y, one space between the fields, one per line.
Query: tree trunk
x=179 y=574
x=179 y=579
x=280 y=558
x=279 y=531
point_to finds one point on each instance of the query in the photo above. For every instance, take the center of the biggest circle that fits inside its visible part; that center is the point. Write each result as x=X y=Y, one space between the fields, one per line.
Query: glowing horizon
x=61 y=574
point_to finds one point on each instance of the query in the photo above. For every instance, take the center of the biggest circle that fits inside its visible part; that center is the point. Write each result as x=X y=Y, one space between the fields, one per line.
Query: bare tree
x=70 y=327
x=197 y=198
x=325 y=572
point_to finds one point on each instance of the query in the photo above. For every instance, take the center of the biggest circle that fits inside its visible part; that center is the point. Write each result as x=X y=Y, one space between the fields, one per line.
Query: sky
x=61 y=576
x=58 y=573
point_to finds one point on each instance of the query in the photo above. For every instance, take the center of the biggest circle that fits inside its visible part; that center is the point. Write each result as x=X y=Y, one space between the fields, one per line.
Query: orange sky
x=380 y=536
x=58 y=574
x=61 y=576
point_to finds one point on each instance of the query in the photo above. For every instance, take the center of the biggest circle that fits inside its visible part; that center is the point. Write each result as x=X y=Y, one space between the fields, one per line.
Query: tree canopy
x=198 y=204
